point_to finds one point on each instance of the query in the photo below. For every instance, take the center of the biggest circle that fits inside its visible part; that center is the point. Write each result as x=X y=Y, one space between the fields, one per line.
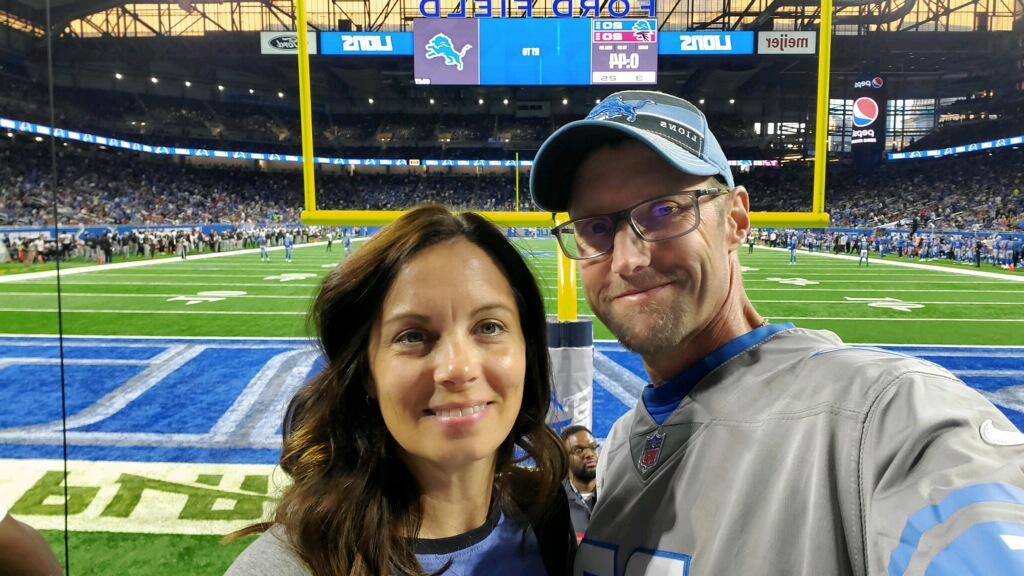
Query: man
x=581 y=484
x=261 y=241
x=758 y=449
x=289 y=244
x=863 y=245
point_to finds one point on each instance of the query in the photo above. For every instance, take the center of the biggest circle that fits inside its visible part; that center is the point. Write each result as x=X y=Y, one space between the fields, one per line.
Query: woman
x=403 y=451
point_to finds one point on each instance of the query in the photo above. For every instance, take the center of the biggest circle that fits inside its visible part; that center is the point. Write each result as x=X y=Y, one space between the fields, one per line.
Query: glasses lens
x=666 y=217
x=581 y=450
x=586 y=237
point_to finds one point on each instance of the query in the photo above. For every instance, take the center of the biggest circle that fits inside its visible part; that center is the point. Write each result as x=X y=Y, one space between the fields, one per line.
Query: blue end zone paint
x=193 y=398
x=628 y=360
x=52 y=352
x=318 y=365
x=32 y=392
x=142 y=454
x=607 y=408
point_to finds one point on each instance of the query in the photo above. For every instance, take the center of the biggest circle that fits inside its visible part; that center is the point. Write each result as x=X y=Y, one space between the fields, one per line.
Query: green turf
x=110 y=554
x=862 y=305
x=877 y=304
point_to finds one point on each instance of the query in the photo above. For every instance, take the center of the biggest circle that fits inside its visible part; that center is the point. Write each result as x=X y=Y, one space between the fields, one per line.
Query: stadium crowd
x=113 y=187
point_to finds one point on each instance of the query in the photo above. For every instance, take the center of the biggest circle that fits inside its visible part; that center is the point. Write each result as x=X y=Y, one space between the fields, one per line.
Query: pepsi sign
x=868 y=114
x=865 y=112
x=875 y=82
x=704 y=42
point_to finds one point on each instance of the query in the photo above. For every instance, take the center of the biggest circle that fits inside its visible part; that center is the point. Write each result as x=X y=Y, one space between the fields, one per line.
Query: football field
x=176 y=374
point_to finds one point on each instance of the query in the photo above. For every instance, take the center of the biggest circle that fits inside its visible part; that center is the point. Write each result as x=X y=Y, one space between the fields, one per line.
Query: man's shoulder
x=799 y=368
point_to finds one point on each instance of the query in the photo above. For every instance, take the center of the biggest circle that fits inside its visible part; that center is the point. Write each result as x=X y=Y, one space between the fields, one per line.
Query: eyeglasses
x=579 y=451
x=662 y=218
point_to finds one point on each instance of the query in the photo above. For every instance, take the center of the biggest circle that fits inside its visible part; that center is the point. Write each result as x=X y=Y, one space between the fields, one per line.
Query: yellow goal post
x=816 y=218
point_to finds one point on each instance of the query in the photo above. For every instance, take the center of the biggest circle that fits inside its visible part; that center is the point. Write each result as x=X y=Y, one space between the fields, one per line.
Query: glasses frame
x=627 y=215
x=596 y=449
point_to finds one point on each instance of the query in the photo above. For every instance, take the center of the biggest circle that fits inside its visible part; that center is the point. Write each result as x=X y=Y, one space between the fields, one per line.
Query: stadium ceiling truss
x=196 y=18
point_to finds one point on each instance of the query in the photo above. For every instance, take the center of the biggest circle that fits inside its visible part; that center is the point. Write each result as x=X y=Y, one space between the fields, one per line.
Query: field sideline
x=177 y=371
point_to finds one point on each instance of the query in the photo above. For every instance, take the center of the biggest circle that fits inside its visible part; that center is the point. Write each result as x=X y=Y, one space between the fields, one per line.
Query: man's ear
x=738 y=217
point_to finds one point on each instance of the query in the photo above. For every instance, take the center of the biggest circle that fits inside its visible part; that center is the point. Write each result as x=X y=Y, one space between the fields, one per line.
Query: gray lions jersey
x=787 y=452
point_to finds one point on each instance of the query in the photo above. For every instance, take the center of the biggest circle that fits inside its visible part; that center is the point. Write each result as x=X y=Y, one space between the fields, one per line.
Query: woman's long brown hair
x=353 y=505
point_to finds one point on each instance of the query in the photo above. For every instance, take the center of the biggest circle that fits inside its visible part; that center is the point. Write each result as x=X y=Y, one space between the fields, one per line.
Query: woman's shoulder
x=269 y=555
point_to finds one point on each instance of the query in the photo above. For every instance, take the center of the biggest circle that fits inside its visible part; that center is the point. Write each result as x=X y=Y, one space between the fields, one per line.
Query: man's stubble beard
x=584 y=475
x=648 y=329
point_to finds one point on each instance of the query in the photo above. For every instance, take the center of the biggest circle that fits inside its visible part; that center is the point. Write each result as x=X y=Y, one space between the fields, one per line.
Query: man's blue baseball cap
x=671 y=126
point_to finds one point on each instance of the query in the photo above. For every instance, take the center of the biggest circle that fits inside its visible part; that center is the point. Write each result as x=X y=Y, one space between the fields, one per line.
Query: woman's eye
x=490 y=328
x=410 y=337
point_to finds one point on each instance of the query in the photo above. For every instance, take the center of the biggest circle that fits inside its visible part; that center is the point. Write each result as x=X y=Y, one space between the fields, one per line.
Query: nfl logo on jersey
x=652 y=450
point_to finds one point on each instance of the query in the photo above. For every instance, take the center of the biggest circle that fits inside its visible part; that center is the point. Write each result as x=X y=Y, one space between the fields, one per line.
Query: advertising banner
x=285 y=42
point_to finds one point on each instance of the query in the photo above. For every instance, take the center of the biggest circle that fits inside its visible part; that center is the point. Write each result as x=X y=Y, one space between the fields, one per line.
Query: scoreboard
x=543 y=51
x=624 y=52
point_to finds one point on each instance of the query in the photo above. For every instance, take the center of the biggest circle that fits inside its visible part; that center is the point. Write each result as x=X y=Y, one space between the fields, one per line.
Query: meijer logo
x=786 y=42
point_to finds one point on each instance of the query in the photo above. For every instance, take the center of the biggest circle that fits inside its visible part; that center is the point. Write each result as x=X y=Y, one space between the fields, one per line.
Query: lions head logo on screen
x=643 y=31
x=440 y=46
x=613 y=107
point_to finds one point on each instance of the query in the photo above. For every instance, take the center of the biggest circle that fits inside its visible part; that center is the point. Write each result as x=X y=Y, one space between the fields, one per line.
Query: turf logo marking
x=209 y=296
x=288 y=277
x=143 y=497
x=793 y=281
x=890 y=303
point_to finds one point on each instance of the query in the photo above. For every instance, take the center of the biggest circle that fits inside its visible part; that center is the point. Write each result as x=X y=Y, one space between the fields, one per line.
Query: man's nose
x=629 y=251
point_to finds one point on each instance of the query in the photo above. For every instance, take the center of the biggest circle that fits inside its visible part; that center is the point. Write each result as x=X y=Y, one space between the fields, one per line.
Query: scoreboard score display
x=526 y=51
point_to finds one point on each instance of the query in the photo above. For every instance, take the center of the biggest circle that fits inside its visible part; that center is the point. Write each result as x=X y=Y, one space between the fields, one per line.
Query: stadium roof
x=62 y=12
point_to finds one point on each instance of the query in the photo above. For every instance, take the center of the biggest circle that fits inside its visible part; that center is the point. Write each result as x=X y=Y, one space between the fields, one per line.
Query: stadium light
x=251 y=91
x=280 y=94
x=480 y=101
x=118 y=76
x=505 y=101
x=565 y=101
x=154 y=80
x=732 y=100
x=701 y=101
x=220 y=87
x=431 y=101
x=188 y=84
x=598 y=101
x=371 y=100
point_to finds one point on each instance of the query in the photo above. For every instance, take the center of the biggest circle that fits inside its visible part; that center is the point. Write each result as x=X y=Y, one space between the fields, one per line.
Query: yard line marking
x=213 y=312
x=115 y=295
x=790 y=318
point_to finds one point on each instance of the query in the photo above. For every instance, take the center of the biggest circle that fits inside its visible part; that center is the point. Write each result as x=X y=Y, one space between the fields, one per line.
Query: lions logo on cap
x=613 y=107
